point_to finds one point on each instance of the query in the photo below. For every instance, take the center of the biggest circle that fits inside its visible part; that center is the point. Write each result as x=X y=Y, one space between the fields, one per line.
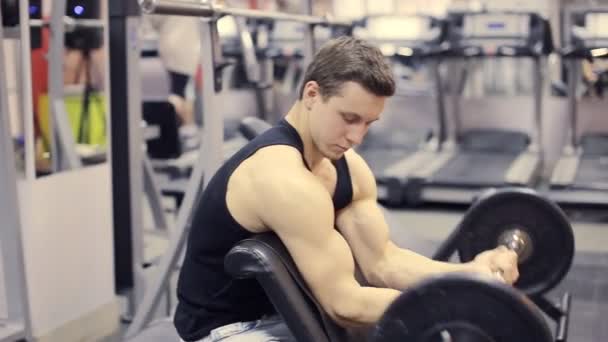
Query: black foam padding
x=265 y=258
x=251 y=127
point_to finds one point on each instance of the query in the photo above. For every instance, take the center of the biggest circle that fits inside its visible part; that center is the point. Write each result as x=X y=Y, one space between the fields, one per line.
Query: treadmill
x=410 y=42
x=475 y=159
x=580 y=176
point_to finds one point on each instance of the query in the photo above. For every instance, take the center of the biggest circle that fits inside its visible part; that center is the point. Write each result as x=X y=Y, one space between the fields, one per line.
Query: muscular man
x=302 y=180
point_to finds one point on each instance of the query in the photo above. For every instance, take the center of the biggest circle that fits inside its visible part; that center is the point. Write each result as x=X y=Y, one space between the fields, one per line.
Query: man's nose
x=355 y=134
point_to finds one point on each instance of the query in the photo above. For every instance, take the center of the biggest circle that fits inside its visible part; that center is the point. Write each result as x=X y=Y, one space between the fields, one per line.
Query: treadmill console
x=589 y=31
x=497 y=26
x=512 y=34
x=228 y=33
x=402 y=35
x=408 y=28
x=286 y=38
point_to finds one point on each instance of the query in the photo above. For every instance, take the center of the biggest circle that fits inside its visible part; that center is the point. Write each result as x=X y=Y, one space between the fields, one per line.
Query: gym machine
x=395 y=154
x=210 y=157
x=580 y=175
x=451 y=307
x=286 y=50
x=16 y=324
x=242 y=65
x=257 y=67
x=476 y=159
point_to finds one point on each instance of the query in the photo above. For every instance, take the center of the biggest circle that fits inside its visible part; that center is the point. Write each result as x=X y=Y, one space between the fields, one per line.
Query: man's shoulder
x=275 y=167
x=271 y=181
x=276 y=158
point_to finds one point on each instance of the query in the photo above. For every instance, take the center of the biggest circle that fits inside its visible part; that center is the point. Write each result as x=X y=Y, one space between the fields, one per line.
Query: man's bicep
x=362 y=223
x=364 y=227
x=305 y=224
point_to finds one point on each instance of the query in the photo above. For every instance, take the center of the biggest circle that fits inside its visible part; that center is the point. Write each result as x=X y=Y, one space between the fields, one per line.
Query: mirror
x=69 y=78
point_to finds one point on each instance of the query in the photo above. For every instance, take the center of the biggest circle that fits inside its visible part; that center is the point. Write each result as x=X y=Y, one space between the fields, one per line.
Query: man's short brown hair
x=347 y=59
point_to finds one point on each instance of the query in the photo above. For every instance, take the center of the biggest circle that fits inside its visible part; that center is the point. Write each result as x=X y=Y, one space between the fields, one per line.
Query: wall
x=67 y=237
x=3 y=303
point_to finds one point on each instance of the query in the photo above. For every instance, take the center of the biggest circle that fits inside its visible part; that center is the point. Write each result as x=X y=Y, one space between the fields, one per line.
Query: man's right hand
x=499 y=263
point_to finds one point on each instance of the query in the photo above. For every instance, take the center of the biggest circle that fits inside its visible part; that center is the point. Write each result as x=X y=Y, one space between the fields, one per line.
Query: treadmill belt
x=379 y=159
x=474 y=169
x=592 y=170
x=595 y=145
x=383 y=147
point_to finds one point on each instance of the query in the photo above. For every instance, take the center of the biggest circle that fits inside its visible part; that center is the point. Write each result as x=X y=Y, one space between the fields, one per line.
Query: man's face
x=341 y=121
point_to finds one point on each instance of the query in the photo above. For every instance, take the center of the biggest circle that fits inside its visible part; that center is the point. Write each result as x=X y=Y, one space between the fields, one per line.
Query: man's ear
x=311 y=93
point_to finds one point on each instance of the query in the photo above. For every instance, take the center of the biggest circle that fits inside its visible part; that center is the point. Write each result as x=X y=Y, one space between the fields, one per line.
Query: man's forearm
x=402 y=268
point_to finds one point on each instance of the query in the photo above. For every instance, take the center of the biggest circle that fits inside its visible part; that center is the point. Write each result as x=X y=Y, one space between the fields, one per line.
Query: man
x=302 y=180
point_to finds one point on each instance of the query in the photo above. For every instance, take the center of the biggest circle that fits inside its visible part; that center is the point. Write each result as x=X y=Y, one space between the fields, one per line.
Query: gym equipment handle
x=517 y=241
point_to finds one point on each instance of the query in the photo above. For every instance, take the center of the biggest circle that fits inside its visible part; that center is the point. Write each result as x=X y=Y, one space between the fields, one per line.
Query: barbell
x=473 y=308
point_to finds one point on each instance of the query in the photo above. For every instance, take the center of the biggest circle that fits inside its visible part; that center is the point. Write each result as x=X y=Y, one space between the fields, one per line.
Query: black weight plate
x=549 y=229
x=471 y=307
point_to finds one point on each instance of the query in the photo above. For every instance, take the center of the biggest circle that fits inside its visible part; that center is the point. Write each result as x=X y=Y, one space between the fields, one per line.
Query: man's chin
x=334 y=155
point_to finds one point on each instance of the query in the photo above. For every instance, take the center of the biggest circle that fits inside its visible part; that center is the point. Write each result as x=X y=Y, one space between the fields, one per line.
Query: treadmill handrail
x=506 y=50
x=576 y=52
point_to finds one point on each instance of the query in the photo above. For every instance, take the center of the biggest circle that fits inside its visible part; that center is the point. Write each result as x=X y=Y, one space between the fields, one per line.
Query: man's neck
x=299 y=117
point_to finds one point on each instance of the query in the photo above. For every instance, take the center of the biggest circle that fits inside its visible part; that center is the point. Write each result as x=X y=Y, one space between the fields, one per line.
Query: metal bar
x=458 y=83
x=154 y=196
x=64 y=144
x=573 y=74
x=121 y=199
x=213 y=131
x=537 y=141
x=548 y=307
x=250 y=60
x=11 y=245
x=448 y=247
x=135 y=141
x=70 y=22
x=563 y=322
x=206 y=9
x=440 y=99
x=307 y=7
x=210 y=157
x=253 y=68
x=25 y=95
x=126 y=153
x=309 y=37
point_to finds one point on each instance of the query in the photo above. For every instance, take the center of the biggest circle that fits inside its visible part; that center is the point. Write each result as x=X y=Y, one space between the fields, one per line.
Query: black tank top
x=208 y=297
